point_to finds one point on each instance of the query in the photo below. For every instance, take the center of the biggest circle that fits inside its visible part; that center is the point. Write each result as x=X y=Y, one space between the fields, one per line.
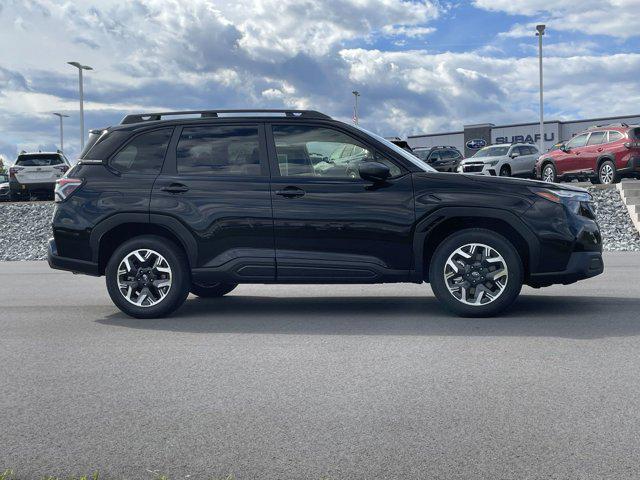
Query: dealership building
x=487 y=133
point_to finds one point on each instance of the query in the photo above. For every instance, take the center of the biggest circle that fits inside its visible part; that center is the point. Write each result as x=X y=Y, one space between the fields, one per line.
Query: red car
x=602 y=154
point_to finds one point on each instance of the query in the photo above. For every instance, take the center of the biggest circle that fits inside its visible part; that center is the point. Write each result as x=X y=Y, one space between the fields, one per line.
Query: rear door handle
x=291 y=192
x=175 y=188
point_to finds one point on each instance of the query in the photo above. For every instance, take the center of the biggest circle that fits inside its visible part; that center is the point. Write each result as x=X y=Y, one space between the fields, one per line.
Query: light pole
x=80 y=68
x=356 y=94
x=61 y=116
x=540 y=33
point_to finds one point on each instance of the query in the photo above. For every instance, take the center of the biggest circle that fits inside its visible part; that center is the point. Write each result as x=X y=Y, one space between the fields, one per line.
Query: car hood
x=481 y=159
x=4 y=185
x=521 y=182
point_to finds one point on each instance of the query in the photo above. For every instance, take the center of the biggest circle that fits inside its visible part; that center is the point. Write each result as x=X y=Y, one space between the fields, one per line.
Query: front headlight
x=558 y=196
x=493 y=163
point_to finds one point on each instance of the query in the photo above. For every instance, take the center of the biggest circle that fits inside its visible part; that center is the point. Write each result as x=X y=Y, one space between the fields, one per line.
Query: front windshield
x=409 y=156
x=491 y=152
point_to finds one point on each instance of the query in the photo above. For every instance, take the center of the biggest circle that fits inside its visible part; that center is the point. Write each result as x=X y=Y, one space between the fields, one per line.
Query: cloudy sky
x=421 y=66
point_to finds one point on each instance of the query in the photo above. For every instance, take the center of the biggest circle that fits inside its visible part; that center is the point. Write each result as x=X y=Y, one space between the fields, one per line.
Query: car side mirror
x=515 y=155
x=564 y=148
x=375 y=172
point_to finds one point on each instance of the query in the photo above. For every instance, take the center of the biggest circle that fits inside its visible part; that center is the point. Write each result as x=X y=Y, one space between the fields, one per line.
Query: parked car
x=5 y=191
x=505 y=160
x=36 y=174
x=442 y=158
x=602 y=154
x=164 y=205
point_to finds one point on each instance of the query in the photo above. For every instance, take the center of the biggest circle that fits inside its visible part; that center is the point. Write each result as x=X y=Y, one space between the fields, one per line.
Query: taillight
x=14 y=170
x=65 y=188
x=62 y=168
x=632 y=144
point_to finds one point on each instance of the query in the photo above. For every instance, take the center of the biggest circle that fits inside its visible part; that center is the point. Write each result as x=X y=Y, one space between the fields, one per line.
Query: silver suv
x=505 y=160
x=35 y=173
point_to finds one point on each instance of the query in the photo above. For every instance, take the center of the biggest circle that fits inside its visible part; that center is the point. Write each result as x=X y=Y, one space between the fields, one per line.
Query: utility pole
x=540 y=32
x=61 y=116
x=356 y=94
x=80 y=68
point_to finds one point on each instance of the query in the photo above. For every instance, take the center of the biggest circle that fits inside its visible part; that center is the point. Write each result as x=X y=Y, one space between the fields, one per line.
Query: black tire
x=549 y=169
x=180 y=276
x=607 y=173
x=212 y=291
x=493 y=240
x=505 y=171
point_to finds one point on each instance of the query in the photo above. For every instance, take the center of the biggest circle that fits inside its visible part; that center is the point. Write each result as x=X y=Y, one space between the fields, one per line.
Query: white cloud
x=615 y=18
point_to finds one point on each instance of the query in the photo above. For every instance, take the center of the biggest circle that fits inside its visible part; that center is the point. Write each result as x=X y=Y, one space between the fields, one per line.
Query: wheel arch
x=436 y=227
x=113 y=231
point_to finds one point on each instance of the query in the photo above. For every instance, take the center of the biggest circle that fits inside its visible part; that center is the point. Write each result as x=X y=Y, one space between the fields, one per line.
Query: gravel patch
x=26 y=227
x=25 y=230
x=618 y=231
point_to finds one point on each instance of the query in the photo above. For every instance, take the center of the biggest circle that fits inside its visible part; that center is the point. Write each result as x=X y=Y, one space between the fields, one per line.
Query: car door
x=592 y=150
x=329 y=226
x=215 y=184
x=527 y=160
x=570 y=160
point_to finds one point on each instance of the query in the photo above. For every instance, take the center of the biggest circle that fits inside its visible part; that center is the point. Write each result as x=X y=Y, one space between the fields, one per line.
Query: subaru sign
x=476 y=144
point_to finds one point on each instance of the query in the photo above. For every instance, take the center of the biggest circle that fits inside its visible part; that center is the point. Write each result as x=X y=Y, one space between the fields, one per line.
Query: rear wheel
x=148 y=277
x=607 y=173
x=212 y=290
x=476 y=273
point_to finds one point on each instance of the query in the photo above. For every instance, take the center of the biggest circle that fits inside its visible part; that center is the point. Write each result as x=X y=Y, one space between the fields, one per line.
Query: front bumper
x=70 y=264
x=581 y=265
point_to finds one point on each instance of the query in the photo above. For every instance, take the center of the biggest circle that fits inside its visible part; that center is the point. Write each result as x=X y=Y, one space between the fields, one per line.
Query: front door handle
x=175 y=188
x=291 y=192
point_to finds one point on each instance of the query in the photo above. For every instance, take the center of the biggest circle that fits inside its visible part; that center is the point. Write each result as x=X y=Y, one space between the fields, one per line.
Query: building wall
x=554 y=132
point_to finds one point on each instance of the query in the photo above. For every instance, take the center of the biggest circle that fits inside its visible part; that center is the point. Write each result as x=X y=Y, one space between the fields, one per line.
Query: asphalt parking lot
x=312 y=382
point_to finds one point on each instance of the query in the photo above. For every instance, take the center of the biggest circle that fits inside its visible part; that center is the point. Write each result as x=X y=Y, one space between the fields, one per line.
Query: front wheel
x=505 y=171
x=212 y=290
x=476 y=273
x=549 y=173
x=148 y=277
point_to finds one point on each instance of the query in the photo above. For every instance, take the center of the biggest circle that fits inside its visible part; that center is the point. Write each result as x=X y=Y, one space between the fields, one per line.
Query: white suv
x=505 y=160
x=36 y=173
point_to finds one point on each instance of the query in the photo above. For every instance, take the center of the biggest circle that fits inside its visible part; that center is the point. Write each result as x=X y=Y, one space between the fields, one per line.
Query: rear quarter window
x=144 y=153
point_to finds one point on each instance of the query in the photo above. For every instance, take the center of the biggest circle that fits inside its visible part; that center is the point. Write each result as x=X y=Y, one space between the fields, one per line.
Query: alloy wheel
x=606 y=173
x=476 y=274
x=144 y=277
x=547 y=174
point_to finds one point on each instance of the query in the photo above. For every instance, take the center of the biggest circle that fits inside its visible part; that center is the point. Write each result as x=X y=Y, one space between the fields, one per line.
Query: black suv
x=442 y=158
x=164 y=205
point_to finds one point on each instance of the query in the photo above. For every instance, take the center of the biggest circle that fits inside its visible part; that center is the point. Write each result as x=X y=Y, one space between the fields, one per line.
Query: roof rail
x=619 y=124
x=148 y=117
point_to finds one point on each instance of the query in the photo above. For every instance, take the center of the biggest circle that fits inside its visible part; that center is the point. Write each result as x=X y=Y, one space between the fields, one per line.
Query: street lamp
x=80 y=68
x=540 y=32
x=356 y=94
x=61 y=116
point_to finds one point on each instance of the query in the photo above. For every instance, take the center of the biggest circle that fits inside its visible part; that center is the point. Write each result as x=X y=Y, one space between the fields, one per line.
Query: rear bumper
x=581 y=265
x=70 y=264
x=17 y=186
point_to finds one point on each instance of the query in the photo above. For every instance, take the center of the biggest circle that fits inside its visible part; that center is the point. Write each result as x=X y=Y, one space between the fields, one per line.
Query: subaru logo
x=476 y=143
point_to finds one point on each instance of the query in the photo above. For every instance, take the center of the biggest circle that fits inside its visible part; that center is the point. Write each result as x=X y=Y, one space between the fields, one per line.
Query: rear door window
x=596 y=138
x=144 y=153
x=219 y=150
